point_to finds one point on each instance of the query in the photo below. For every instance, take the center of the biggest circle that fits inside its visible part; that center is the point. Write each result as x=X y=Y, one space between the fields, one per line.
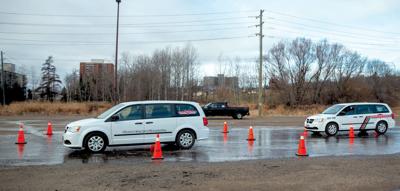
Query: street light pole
x=2 y=80
x=116 y=57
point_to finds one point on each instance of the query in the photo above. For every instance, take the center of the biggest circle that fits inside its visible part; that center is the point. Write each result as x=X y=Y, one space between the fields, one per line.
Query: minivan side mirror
x=342 y=113
x=114 y=118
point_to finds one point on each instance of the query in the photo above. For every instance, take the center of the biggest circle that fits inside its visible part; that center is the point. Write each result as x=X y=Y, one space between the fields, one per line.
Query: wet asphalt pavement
x=271 y=142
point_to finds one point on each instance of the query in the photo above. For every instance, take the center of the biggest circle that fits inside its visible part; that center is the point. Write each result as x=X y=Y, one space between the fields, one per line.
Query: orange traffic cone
x=251 y=135
x=302 y=151
x=157 y=154
x=225 y=128
x=49 y=129
x=351 y=132
x=21 y=136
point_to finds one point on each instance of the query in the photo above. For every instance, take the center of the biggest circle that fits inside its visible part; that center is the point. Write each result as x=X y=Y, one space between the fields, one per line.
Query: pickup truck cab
x=223 y=109
x=362 y=117
x=136 y=123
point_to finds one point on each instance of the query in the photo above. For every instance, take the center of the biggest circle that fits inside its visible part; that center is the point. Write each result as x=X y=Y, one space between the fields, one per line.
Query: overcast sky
x=31 y=30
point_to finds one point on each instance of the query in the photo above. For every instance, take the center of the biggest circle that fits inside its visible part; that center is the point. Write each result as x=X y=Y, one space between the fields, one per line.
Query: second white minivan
x=361 y=116
x=134 y=123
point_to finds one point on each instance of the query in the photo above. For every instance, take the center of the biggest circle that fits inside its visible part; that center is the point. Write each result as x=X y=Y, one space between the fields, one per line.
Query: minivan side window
x=158 y=111
x=184 y=110
x=363 y=109
x=349 y=110
x=133 y=112
x=381 y=109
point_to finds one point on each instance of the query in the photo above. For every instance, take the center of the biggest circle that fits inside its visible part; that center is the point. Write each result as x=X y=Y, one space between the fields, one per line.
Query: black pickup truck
x=222 y=109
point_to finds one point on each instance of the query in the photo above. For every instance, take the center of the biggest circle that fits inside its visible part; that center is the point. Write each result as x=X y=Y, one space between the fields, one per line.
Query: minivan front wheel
x=95 y=143
x=185 y=139
x=381 y=127
x=331 y=129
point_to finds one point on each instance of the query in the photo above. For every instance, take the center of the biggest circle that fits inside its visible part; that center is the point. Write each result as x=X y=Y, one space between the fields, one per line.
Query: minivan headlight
x=74 y=129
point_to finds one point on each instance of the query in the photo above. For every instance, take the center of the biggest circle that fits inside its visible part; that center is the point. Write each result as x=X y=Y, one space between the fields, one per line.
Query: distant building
x=9 y=67
x=15 y=84
x=11 y=77
x=211 y=83
x=96 y=79
x=96 y=68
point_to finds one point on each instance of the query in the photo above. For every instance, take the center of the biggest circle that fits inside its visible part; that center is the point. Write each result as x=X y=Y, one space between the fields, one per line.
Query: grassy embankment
x=54 y=108
x=94 y=108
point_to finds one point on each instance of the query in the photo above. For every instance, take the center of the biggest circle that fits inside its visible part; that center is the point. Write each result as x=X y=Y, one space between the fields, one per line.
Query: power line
x=331 y=23
x=132 y=42
x=62 y=41
x=42 y=59
x=325 y=29
x=388 y=43
x=136 y=15
x=127 y=33
x=277 y=26
x=142 y=25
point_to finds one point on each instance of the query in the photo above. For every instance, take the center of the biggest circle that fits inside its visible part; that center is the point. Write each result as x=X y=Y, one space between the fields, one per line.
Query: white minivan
x=360 y=116
x=135 y=123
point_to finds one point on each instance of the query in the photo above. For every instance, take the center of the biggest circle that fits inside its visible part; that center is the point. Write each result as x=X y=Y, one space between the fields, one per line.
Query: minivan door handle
x=150 y=122
x=138 y=123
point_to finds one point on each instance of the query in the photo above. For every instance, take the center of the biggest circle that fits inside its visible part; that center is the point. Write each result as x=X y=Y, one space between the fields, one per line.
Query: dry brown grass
x=291 y=111
x=297 y=111
x=54 y=108
x=94 y=108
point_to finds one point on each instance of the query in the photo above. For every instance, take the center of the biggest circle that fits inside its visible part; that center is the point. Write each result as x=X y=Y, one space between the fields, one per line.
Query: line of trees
x=306 y=72
x=297 y=72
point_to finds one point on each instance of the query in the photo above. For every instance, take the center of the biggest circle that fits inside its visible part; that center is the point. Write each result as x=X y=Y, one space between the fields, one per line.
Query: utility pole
x=2 y=79
x=116 y=57
x=260 y=87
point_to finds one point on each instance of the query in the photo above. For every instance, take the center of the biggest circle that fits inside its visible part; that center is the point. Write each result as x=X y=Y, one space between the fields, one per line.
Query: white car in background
x=135 y=123
x=361 y=116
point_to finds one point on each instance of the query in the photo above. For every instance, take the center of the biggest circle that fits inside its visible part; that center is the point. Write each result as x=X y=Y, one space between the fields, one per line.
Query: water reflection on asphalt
x=276 y=142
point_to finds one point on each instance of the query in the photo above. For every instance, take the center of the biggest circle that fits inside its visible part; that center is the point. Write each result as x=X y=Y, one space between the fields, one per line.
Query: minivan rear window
x=183 y=110
x=380 y=109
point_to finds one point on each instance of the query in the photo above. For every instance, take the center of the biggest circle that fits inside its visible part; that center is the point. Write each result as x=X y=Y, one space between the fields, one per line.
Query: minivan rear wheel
x=331 y=129
x=381 y=127
x=185 y=139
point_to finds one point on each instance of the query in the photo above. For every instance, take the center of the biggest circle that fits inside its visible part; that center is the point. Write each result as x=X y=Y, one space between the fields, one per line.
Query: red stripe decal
x=364 y=124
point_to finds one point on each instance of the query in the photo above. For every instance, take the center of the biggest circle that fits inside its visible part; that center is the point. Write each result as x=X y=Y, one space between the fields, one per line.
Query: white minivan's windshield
x=333 y=109
x=109 y=111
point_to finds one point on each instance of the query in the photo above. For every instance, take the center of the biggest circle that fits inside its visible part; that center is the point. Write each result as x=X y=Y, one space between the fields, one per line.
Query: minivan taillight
x=393 y=116
x=205 y=121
